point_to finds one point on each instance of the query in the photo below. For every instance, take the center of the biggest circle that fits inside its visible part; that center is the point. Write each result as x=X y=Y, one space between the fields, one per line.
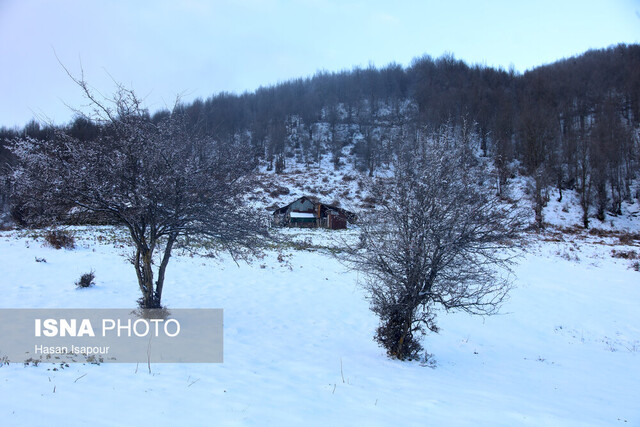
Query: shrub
x=624 y=254
x=628 y=238
x=392 y=336
x=153 y=302
x=279 y=191
x=60 y=239
x=86 y=280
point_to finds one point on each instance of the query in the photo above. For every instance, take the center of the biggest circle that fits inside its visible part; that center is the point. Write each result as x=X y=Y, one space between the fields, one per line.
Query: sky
x=196 y=48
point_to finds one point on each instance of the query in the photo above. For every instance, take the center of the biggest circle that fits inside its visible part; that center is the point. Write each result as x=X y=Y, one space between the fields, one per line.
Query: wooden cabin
x=310 y=213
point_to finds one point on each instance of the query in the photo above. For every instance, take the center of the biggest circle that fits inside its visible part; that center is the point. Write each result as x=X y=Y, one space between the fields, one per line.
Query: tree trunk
x=405 y=331
x=163 y=267
x=144 y=272
x=585 y=217
x=584 y=203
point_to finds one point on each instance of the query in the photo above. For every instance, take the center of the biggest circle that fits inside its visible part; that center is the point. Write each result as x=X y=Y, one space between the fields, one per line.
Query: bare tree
x=161 y=180
x=437 y=239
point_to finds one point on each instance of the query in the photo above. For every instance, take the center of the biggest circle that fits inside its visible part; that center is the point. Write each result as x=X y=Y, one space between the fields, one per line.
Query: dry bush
x=628 y=238
x=279 y=191
x=59 y=239
x=601 y=233
x=86 y=280
x=625 y=254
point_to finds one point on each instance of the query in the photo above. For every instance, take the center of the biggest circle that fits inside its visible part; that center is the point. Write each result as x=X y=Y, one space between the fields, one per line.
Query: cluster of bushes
x=59 y=239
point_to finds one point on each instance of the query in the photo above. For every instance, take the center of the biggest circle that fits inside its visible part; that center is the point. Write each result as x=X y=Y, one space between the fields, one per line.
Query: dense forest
x=572 y=124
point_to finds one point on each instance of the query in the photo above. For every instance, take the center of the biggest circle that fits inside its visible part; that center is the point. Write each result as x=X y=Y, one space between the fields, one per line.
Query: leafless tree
x=160 y=179
x=437 y=240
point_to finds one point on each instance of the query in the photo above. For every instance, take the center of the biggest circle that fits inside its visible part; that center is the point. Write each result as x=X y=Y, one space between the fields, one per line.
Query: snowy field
x=299 y=349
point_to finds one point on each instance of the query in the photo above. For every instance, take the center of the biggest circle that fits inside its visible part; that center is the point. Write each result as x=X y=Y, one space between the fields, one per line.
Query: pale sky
x=162 y=48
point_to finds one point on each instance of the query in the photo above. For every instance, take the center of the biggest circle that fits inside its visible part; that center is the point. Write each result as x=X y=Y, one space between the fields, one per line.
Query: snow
x=299 y=348
x=302 y=215
x=568 y=213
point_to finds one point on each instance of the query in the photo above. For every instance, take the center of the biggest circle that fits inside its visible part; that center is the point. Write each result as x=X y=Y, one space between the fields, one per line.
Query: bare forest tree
x=161 y=179
x=437 y=240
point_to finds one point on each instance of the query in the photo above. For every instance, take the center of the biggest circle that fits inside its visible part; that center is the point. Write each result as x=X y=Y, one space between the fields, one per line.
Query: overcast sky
x=162 y=48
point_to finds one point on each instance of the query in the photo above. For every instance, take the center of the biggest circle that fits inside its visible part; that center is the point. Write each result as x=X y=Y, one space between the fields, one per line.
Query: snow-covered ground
x=299 y=349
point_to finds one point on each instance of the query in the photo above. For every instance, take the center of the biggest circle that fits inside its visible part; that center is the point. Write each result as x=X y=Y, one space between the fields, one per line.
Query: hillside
x=573 y=125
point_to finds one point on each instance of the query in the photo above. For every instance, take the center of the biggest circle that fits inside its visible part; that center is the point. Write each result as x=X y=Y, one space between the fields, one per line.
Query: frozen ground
x=299 y=348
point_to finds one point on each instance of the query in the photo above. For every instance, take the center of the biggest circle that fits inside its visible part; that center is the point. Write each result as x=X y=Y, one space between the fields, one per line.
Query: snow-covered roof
x=302 y=215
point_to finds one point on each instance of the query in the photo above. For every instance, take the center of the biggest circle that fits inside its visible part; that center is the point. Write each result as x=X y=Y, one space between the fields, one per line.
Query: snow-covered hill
x=347 y=187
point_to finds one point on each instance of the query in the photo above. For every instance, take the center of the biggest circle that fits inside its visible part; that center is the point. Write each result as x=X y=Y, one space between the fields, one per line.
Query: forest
x=572 y=124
